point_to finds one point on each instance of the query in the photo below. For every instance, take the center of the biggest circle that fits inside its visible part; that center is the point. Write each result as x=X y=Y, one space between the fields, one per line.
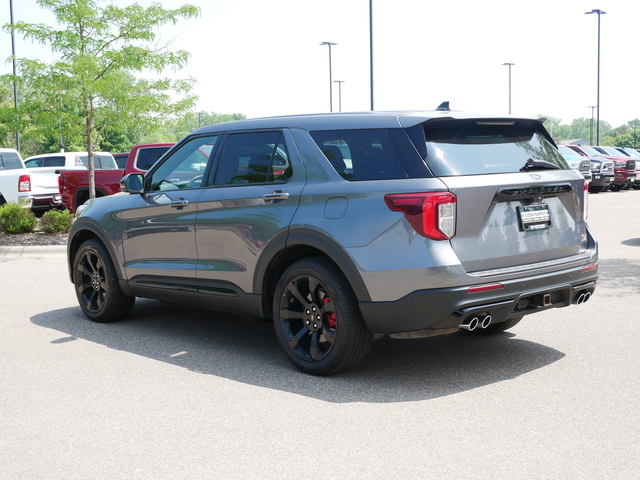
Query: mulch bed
x=32 y=239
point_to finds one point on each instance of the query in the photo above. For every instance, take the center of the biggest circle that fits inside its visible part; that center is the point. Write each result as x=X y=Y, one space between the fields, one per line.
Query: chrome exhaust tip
x=470 y=325
x=486 y=321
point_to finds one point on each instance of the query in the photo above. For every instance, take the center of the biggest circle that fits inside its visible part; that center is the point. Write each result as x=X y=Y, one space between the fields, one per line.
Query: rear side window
x=100 y=162
x=361 y=154
x=256 y=157
x=53 y=162
x=476 y=147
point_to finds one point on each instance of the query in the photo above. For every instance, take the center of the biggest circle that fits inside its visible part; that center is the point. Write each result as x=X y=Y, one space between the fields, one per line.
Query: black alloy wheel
x=317 y=319
x=96 y=284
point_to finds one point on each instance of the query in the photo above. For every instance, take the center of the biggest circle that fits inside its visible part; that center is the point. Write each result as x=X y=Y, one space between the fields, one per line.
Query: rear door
x=255 y=193
x=518 y=202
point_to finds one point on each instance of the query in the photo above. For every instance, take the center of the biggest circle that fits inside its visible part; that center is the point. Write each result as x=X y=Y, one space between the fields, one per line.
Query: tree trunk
x=91 y=164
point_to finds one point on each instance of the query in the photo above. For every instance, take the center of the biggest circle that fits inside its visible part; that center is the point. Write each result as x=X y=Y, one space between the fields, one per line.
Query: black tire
x=317 y=319
x=96 y=284
x=498 y=327
x=597 y=189
x=616 y=188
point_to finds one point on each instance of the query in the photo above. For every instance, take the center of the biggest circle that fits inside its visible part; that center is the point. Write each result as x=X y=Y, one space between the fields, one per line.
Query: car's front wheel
x=96 y=284
x=317 y=319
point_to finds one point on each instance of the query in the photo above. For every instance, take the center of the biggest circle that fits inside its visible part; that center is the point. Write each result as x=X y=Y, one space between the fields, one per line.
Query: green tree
x=91 y=87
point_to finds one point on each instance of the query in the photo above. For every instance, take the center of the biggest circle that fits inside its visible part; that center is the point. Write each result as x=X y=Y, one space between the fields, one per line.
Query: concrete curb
x=35 y=251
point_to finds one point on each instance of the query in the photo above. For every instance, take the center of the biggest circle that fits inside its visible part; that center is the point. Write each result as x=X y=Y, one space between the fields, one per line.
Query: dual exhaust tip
x=583 y=297
x=473 y=322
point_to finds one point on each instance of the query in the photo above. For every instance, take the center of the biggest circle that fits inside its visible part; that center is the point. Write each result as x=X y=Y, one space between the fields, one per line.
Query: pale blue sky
x=261 y=57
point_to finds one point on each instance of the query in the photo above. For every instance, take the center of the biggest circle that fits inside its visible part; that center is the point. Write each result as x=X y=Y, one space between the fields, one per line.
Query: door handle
x=276 y=195
x=179 y=203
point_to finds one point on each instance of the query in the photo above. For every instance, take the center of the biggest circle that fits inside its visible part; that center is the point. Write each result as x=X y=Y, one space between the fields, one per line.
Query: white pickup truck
x=24 y=186
x=47 y=167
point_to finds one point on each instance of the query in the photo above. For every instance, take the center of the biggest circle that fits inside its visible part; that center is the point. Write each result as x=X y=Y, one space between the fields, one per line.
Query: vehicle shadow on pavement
x=244 y=349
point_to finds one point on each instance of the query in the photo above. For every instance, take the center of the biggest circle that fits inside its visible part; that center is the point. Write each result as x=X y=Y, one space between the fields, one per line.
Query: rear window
x=147 y=157
x=9 y=161
x=476 y=147
x=361 y=154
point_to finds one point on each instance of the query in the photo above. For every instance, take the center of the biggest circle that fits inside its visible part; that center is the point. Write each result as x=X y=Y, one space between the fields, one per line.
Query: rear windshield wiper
x=532 y=164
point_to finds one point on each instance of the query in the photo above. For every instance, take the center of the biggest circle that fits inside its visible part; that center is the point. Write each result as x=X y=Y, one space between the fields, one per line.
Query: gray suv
x=343 y=228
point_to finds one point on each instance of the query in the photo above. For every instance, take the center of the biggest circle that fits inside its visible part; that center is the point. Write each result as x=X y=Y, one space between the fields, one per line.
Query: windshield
x=474 y=147
x=592 y=152
x=568 y=151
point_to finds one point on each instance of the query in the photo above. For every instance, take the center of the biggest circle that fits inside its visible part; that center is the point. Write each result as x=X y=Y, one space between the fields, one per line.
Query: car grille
x=585 y=166
x=606 y=168
x=631 y=165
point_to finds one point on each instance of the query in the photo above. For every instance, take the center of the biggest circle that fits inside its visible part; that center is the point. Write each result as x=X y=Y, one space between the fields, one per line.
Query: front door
x=159 y=225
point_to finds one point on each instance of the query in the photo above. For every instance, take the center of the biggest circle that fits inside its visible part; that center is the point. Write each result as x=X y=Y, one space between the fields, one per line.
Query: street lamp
x=599 y=12
x=371 y=50
x=509 y=65
x=635 y=138
x=591 y=125
x=330 y=76
x=339 y=82
x=15 y=85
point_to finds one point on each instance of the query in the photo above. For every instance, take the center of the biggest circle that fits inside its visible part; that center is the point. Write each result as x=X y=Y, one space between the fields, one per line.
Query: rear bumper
x=43 y=202
x=25 y=201
x=447 y=308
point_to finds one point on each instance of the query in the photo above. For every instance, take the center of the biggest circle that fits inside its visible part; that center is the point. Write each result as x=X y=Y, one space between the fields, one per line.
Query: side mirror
x=132 y=183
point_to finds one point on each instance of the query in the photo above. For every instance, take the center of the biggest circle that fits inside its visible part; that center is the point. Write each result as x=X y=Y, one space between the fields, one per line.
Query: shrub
x=15 y=219
x=55 y=221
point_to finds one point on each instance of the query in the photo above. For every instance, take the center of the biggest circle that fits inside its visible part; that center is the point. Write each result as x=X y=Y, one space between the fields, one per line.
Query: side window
x=186 y=166
x=257 y=157
x=53 y=162
x=361 y=154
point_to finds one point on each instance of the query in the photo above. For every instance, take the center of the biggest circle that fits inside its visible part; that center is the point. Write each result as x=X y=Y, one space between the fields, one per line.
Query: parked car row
x=61 y=180
x=612 y=168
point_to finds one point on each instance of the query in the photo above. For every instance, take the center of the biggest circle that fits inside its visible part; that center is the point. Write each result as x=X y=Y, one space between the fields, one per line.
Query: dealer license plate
x=534 y=217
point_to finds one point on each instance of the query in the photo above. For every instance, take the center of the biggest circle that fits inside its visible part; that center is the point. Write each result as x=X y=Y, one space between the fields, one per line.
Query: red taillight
x=432 y=215
x=24 y=183
x=588 y=268
x=485 y=288
x=60 y=183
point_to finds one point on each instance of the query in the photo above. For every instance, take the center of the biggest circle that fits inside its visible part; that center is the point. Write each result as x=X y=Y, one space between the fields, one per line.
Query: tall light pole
x=635 y=142
x=509 y=65
x=371 y=50
x=330 y=44
x=599 y=12
x=339 y=82
x=591 y=125
x=15 y=85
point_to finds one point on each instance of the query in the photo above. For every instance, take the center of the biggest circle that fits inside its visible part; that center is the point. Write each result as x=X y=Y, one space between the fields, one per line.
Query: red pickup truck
x=74 y=184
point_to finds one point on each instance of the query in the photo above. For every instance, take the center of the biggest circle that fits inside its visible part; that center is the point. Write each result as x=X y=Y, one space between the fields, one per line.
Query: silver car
x=343 y=228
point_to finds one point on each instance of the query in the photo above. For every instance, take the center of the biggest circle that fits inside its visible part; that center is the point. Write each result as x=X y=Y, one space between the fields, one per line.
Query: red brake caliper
x=331 y=316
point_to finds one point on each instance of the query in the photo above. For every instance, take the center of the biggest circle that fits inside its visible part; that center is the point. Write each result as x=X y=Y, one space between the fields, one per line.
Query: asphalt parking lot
x=185 y=393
